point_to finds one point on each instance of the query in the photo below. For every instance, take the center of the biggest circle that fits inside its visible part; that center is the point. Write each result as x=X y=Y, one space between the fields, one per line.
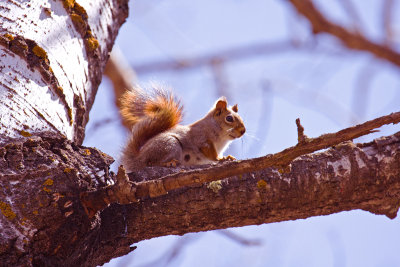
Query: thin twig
x=352 y=40
x=120 y=73
x=239 y=239
x=301 y=137
x=99 y=124
x=220 y=78
x=362 y=90
x=227 y=55
x=265 y=115
x=387 y=12
x=173 y=252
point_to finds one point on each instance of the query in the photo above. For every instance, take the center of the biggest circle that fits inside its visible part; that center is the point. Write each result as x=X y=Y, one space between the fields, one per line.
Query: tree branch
x=162 y=186
x=48 y=214
x=347 y=177
x=120 y=73
x=350 y=39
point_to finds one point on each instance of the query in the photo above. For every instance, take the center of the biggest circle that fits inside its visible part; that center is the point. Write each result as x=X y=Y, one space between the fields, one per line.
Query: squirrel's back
x=148 y=114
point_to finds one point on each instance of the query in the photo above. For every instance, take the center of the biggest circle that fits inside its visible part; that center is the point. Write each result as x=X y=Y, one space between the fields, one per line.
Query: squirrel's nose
x=243 y=131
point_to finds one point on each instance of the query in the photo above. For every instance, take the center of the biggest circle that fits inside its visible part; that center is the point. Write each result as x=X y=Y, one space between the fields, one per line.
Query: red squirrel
x=157 y=138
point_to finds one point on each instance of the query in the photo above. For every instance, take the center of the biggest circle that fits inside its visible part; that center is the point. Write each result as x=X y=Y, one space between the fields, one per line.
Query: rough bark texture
x=44 y=224
x=364 y=176
x=41 y=217
x=52 y=55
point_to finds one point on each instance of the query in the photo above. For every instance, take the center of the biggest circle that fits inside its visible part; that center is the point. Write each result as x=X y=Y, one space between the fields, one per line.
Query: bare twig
x=301 y=137
x=220 y=78
x=239 y=239
x=352 y=40
x=99 y=124
x=125 y=192
x=232 y=54
x=120 y=73
x=362 y=91
x=174 y=252
x=267 y=95
x=387 y=11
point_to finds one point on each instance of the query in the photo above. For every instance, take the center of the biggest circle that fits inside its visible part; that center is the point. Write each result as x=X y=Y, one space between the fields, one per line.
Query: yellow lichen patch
x=69 y=3
x=6 y=210
x=35 y=212
x=285 y=169
x=45 y=189
x=92 y=43
x=215 y=186
x=70 y=116
x=25 y=133
x=87 y=152
x=9 y=36
x=48 y=182
x=80 y=10
x=38 y=51
x=68 y=170
x=77 y=19
x=261 y=184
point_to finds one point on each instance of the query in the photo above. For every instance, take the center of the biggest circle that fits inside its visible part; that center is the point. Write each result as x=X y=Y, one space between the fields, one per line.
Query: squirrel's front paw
x=227 y=158
x=172 y=163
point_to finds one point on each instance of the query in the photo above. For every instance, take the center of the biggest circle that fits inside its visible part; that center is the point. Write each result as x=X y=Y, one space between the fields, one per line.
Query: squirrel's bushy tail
x=148 y=114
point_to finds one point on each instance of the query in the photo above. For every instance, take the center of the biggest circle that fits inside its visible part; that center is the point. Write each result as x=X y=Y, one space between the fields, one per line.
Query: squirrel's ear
x=235 y=108
x=221 y=103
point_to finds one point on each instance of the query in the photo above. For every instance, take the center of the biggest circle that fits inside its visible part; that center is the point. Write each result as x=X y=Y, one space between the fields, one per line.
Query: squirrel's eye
x=229 y=118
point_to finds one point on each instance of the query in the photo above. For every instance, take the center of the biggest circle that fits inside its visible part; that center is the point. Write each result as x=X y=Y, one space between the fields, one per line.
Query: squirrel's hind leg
x=162 y=150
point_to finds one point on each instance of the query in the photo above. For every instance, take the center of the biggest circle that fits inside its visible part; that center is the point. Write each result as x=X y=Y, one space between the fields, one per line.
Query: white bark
x=28 y=101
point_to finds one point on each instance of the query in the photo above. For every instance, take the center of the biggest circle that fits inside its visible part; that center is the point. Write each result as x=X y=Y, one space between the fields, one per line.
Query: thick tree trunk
x=43 y=221
x=53 y=53
x=52 y=57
